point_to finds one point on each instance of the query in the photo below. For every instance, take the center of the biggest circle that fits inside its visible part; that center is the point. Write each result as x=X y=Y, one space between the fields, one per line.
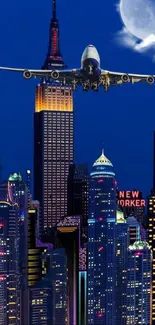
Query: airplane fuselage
x=90 y=64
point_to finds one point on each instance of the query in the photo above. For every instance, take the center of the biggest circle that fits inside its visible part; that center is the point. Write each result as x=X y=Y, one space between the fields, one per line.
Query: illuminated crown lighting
x=139 y=245
x=102 y=161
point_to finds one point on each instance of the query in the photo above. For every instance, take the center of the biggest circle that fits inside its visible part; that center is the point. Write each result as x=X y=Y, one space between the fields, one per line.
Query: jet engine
x=150 y=80
x=125 y=78
x=27 y=74
x=55 y=75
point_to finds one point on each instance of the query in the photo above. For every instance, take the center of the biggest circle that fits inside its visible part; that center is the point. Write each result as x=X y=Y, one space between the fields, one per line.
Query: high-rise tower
x=101 y=244
x=139 y=284
x=151 y=231
x=53 y=137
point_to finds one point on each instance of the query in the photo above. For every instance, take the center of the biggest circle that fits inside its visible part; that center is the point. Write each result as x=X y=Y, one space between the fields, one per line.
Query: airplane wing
x=117 y=78
x=66 y=76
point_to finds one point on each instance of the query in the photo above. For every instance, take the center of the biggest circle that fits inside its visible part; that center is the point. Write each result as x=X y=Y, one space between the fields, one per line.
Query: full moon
x=139 y=17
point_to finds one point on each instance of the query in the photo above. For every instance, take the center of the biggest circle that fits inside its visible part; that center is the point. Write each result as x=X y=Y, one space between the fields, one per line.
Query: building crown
x=102 y=161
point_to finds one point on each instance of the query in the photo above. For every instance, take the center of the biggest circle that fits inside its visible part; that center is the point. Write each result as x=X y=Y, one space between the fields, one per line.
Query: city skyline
x=122 y=150
x=78 y=248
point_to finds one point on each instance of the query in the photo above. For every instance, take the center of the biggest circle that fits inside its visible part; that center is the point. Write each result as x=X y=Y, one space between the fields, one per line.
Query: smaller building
x=133 y=230
x=77 y=195
x=59 y=285
x=9 y=259
x=121 y=241
x=139 y=278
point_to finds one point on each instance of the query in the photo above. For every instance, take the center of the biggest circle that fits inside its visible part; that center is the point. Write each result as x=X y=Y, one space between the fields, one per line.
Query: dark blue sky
x=123 y=119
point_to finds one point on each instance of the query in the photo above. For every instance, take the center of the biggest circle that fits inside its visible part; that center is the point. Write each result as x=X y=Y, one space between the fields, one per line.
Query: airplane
x=89 y=76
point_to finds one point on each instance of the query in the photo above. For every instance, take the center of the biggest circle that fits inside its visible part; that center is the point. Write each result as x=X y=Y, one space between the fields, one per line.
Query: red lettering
x=127 y=203
x=142 y=203
x=128 y=195
x=122 y=203
x=121 y=194
x=138 y=203
x=132 y=203
x=135 y=194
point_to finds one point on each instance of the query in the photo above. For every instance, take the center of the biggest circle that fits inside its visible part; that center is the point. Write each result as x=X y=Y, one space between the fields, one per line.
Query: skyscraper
x=9 y=259
x=59 y=286
x=53 y=136
x=36 y=289
x=139 y=284
x=78 y=195
x=101 y=244
x=121 y=267
x=151 y=230
x=69 y=234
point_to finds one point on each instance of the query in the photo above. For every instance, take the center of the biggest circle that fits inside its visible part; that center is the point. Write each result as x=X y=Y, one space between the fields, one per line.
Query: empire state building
x=53 y=137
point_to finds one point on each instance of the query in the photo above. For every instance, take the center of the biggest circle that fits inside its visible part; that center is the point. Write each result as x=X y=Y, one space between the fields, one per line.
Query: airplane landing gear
x=94 y=86
x=74 y=85
x=86 y=86
x=106 y=87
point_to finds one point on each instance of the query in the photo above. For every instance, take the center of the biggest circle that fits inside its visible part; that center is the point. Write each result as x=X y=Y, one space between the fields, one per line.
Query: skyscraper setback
x=53 y=136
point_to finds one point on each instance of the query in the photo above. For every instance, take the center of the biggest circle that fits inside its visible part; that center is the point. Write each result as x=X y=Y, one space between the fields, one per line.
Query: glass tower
x=139 y=284
x=53 y=137
x=101 y=244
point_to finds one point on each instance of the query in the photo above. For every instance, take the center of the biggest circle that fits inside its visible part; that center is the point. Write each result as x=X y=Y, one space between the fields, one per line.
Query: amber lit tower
x=53 y=136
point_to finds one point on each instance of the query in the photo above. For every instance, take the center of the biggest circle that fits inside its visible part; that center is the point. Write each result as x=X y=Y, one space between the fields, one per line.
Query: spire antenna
x=54 y=57
x=54 y=10
x=102 y=149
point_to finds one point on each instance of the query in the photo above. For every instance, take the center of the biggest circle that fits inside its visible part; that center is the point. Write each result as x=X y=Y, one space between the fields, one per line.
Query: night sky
x=122 y=119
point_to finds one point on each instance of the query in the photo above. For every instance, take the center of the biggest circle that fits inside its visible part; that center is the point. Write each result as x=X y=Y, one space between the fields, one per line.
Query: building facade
x=139 y=284
x=121 y=267
x=36 y=289
x=69 y=234
x=134 y=231
x=53 y=137
x=78 y=195
x=151 y=241
x=101 y=244
x=9 y=259
x=59 y=285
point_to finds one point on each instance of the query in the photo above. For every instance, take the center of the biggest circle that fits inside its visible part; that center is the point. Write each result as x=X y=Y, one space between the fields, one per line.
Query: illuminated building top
x=139 y=245
x=54 y=57
x=54 y=98
x=73 y=221
x=15 y=177
x=102 y=160
x=120 y=217
x=102 y=167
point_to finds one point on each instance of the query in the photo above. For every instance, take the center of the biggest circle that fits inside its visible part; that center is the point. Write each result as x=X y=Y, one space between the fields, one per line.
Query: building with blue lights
x=121 y=231
x=139 y=278
x=101 y=244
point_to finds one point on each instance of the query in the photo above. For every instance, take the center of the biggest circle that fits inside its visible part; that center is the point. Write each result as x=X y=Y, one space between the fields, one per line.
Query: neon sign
x=130 y=199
